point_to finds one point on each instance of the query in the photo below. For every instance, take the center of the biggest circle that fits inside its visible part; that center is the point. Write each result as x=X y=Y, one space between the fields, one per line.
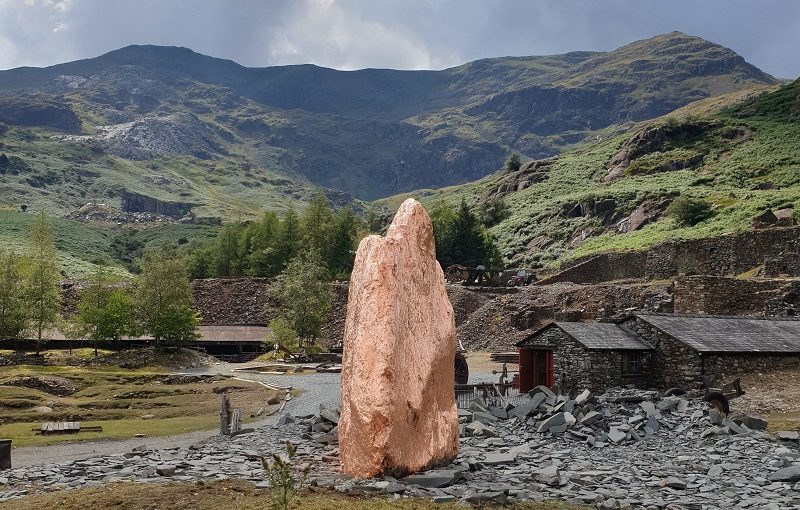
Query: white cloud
x=326 y=33
x=408 y=34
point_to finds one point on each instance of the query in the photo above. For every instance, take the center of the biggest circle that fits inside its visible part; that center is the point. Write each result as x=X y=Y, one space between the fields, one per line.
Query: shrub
x=285 y=479
x=689 y=211
x=513 y=163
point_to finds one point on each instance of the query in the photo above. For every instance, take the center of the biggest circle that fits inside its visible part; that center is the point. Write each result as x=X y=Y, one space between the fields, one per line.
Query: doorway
x=535 y=369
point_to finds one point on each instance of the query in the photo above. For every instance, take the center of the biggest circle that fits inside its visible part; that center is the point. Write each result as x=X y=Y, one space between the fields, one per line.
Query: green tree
x=341 y=246
x=466 y=238
x=289 y=238
x=689 y=211
x=163 y=300
x=282 y=333
x=263 y=258
x=227 y=252
x=316 y=223
x=12 y=296
x=493 y=212
x=42 y=289
x=513 y=163
x=304 y=294
x=105 y=310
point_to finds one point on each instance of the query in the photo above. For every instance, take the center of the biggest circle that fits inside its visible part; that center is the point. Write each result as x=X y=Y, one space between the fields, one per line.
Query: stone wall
x=605 y=267
x=785 y=264
x=724 y=367
x=729 y=254
x=719 y=295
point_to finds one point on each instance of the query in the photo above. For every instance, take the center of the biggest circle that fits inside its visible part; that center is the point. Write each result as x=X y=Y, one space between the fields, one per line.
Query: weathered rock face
x=398 y=408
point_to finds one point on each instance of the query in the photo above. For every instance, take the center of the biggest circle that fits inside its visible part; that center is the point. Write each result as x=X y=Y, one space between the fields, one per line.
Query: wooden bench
x=64 y=427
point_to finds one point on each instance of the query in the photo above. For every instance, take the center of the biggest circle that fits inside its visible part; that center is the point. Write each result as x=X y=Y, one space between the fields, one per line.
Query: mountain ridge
x=279 y=132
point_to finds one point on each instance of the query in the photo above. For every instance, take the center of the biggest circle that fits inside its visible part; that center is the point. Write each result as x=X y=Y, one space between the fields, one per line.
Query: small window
x=632 y=362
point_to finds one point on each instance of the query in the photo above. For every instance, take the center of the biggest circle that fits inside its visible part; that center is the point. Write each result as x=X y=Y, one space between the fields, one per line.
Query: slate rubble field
x=683 y=462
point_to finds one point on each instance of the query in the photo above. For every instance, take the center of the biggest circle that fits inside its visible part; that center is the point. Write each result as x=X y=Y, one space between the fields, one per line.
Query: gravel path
x=314 y=388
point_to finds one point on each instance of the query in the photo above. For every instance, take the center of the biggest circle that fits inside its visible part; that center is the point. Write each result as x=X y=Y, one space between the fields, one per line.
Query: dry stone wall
x=729 y=254
x=728 y=366
x=719 y=295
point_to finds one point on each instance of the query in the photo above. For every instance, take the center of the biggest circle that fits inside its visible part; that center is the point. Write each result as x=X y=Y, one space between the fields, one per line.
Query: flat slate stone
x=549 y=475
x=435 y=479
x=496 y=459
x=583 y=397
x=553 y=421
x=789 y=474
x=590 y=417
x=548 y=393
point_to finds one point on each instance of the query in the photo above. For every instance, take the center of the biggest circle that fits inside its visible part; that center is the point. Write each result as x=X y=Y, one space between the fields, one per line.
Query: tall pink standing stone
x=398 y=411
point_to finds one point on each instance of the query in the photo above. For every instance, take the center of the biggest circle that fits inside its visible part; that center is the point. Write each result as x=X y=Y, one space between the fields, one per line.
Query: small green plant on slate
x=285 y=479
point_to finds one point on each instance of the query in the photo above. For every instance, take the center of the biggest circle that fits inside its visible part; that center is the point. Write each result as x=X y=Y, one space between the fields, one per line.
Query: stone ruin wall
x=725 y=255
x=716 y=295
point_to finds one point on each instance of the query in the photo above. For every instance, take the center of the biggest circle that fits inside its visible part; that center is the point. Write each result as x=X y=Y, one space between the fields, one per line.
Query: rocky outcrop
x=175 y=134
x=398 y=412
x=647 y=212
x=653 y=139
x=135 y=202
x=35 y=111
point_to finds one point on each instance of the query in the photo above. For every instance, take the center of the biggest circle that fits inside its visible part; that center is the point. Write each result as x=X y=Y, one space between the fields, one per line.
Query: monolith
x=398 y=412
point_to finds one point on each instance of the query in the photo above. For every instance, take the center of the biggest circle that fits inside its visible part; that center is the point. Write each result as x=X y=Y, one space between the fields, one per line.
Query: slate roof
x=597 y=336
x=728 y=334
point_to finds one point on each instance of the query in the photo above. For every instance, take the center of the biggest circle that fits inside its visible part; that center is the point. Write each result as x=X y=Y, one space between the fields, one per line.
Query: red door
x=549 y=379
x=535 y=369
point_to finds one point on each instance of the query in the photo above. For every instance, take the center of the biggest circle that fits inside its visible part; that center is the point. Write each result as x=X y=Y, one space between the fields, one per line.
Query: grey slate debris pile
x=617 y=417
x=647 y=453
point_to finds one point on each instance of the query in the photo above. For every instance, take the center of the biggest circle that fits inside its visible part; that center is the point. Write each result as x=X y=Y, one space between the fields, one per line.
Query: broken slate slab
x=789 y=474
x=166 y=470
x=496 y=459
x=583 y=397
x=788 y=435
x=548 y=393
x=435 y=479
x=616 y=435
x=553 y=421
x=549 y=475
x=590 y=417
x=524 y=409
x=674 y=482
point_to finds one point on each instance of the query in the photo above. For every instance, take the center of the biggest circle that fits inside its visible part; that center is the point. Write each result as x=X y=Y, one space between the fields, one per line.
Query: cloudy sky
x=402 y=34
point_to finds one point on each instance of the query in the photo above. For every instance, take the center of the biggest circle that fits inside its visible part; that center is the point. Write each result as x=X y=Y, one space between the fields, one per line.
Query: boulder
x=398 y=414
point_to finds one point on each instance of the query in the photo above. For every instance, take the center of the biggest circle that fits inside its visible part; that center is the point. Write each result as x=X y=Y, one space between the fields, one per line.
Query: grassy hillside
x=81 y=246
x=183 y=127
x=739 y=152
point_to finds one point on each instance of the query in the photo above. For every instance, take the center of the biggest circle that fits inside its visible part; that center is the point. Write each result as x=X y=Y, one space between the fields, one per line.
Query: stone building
x=652 y=350
x=579 y=355
x=695 y=350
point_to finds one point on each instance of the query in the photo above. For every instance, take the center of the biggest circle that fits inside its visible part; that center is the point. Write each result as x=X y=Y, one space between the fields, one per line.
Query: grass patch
x=117 y=399
x=783 y=421
x=226 y=494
